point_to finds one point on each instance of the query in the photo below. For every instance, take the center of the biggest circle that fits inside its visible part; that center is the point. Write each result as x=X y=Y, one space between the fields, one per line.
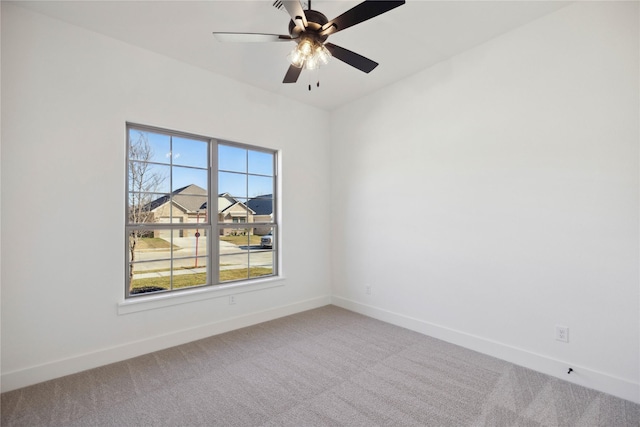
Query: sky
x=243 y=173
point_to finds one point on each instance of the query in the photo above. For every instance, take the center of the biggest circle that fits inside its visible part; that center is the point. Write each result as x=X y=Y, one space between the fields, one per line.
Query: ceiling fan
x=309 y=29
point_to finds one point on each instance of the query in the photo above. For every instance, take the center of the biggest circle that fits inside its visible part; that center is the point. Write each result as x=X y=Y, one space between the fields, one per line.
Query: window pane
x=234 y=184
x=234 y=251
x=150 y=277
x=260 y=186
x=233 y=268
x=143 y=207
x=190 y=152
x=180 y=206
x=261 y=263
x=236 y=240
x=149 y=255
x=148 y=177
x=267 y=237
x=194 y=181
x=234 y=214
x=260 y=163
x=232 y=158
x=193 y=272
x=201 y=217
x=148 y=245
x=263 y=212
x=224 y=203
x=240 y=208
x=170 y=215
x=164 y=259
x=187 y=245
x=149 y=147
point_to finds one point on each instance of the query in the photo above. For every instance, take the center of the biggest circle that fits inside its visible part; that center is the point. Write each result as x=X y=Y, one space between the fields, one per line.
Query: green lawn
x=147 y=243
x=242 y=240
x=197 y=279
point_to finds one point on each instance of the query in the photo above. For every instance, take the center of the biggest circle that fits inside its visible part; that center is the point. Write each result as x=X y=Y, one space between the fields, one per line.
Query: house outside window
x=169 y=228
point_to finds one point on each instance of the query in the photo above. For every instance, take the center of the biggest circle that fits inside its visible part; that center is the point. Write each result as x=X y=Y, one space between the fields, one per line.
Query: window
x=168 y=221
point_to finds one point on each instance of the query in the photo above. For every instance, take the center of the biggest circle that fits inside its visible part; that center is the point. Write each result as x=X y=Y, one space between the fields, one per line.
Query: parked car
x=266 y=241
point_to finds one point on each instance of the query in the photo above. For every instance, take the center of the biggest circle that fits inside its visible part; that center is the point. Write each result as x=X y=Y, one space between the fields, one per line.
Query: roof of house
x=191 y=197
x=261 y=205
x=226 y=202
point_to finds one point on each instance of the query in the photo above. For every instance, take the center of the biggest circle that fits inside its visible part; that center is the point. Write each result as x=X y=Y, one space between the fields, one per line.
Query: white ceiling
x=404 y=41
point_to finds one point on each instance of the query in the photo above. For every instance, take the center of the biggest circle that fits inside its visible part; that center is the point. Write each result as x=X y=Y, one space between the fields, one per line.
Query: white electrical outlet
x=367 y=289
x=232 y=299
x=562 y=333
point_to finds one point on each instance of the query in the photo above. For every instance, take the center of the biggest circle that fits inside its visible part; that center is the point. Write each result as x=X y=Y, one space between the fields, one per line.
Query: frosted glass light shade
x=309 y=54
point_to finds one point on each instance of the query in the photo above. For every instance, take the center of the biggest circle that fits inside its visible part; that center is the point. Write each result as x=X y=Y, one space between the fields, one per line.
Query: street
x=231 y=256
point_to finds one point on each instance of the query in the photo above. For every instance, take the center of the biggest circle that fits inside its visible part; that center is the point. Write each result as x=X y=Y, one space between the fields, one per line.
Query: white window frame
x=209 y=228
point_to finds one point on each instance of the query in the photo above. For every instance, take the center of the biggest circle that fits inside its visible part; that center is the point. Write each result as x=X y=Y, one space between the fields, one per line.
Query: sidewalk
x=181 y=272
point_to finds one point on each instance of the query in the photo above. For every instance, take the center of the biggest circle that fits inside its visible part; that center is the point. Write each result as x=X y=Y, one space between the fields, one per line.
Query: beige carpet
x=324 y=367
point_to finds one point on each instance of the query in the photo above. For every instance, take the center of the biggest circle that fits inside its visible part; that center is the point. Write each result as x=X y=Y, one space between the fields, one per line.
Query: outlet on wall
x=367 y=289
x=232 y=299
x=562 y=333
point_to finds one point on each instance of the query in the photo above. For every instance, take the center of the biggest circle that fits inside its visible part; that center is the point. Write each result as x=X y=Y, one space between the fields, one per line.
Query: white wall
x=485 y=200
x=66 y=95
x=495 y=195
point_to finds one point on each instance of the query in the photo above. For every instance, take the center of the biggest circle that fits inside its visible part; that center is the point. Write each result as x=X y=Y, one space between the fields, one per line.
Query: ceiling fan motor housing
x=315 y=21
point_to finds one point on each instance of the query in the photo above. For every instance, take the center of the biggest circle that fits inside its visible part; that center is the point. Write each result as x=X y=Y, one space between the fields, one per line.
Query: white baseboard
x=582 y=375
x=35 y=374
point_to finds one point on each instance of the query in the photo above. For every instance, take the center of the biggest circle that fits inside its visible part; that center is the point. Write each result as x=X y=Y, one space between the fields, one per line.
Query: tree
x=144 y=181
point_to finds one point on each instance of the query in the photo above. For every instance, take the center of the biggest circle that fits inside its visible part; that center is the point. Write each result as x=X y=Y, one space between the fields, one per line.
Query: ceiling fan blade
x=351 y=58
x=292 y=74
x=294 y=7
x=251 y=37
x=357 y=14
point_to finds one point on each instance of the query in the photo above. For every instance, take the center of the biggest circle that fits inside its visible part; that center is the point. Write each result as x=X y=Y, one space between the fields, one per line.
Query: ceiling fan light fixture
x=311 y=63
x=309 y=54
x=310 y=30
x=322 y=54
x=305 y=47
x=296 y=58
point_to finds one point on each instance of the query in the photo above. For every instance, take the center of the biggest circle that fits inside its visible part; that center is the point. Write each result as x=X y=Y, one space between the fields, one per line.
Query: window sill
x=153 y=302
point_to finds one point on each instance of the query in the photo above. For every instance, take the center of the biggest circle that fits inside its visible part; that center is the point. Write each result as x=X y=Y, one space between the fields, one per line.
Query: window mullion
x=213 y=267
x=172 y=232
